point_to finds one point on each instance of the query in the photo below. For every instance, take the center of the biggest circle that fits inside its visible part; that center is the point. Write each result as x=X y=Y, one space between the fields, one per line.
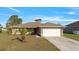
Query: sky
x=58 y=15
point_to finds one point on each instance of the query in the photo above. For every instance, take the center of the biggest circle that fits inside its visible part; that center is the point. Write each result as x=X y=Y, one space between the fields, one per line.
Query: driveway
x=64 y=44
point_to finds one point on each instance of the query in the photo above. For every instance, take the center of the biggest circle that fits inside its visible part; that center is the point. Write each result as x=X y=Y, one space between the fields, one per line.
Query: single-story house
x=72 y=28
x=42 y=29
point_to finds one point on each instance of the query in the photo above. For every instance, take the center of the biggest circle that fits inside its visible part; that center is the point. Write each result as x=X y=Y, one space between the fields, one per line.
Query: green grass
x=73 y=36
x=33 y=43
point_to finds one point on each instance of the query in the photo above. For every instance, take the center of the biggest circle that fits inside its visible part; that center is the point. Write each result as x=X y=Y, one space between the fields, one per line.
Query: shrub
x=23 y=31
x=0 y=30
x=9 y=31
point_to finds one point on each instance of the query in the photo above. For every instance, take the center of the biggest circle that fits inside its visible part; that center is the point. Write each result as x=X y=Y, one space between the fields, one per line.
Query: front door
x=37 y=31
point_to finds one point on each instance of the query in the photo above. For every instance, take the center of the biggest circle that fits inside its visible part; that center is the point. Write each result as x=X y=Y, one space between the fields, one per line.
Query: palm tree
x=13 y=20
x=23 y=34
x=38 y=20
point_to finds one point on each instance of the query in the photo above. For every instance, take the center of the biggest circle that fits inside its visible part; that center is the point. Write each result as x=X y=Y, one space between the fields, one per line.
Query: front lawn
x=33 y=43
x=73 y=36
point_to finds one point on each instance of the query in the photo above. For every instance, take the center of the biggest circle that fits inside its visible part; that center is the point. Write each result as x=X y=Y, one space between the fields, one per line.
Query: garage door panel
x=51 y=32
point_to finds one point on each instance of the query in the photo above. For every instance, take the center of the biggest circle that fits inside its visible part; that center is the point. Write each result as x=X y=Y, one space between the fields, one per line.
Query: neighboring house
x=72 y=28
x=42 y=29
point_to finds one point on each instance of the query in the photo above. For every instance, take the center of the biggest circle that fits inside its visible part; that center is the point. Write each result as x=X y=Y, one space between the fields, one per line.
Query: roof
x=36 y=24
x=51 y=25
x=74 y=24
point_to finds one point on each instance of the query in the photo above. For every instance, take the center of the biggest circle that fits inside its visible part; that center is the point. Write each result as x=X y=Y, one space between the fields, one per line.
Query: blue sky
x=59 y=15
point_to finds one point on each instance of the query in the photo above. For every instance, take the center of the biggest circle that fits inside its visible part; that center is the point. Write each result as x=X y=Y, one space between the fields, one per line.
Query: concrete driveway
x=64 y=44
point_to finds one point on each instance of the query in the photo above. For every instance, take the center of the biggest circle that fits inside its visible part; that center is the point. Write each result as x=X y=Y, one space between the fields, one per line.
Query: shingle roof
x=75 y=24
x=51 y=25
x=36 y=24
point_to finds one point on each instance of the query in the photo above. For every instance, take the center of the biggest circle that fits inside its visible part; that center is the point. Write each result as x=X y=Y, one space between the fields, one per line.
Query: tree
x=38 y=20
x=13 y=20
x=23 y=34
x=23 y=31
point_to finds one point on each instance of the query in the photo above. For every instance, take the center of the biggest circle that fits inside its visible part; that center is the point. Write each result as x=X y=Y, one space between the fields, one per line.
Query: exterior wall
x=61 y=31
x=51 y=32
x=68 y=29
x=15 y=31
x=75 y=32
x=71 y=29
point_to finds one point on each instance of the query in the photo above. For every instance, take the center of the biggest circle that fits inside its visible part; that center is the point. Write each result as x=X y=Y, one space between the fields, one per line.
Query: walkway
x=64 y=44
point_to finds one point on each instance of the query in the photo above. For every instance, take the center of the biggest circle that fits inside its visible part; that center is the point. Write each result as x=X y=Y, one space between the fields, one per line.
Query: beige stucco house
x=42 y=29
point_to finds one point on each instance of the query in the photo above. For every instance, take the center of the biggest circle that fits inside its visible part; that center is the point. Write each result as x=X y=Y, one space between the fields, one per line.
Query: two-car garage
x=51 y=32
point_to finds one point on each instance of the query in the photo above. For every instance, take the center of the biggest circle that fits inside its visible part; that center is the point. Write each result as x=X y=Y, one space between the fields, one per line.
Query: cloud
x=54 y=19
x=47 y=18
x=72 y=13
x=18 y=11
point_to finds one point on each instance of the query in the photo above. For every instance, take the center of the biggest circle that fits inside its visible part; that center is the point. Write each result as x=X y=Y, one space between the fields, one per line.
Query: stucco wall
x=76 y=32
x=15 y=31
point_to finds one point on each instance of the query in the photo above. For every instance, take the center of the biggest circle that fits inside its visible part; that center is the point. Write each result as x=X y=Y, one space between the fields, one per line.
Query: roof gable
x=75 y=24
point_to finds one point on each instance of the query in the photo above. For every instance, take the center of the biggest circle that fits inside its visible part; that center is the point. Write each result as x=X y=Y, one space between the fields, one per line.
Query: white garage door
x=51 y=32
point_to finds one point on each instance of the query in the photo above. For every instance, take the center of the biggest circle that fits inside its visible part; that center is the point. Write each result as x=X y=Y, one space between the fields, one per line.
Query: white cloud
x=47 y=18
x=55 y=19
x=60 y=20
x=72 y=12
x=18 y=11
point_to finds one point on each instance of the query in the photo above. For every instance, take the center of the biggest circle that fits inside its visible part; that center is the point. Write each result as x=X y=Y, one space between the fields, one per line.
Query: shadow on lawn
x=2 y=49
x=22 y=39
